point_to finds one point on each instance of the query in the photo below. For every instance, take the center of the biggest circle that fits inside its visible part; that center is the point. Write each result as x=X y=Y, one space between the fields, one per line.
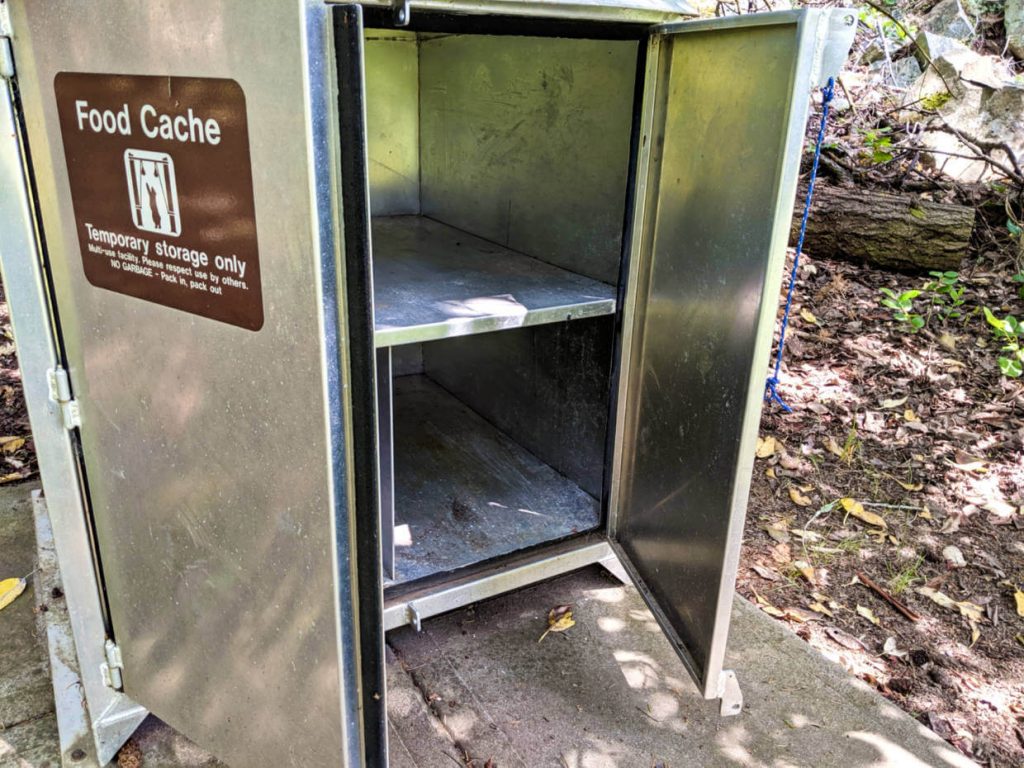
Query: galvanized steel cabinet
x=330 y=323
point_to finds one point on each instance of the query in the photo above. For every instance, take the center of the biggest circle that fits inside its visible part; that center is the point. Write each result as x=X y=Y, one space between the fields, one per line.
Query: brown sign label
x=161 y=184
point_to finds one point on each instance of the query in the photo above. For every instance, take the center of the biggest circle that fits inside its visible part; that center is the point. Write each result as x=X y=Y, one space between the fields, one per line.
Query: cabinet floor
x=466 y=492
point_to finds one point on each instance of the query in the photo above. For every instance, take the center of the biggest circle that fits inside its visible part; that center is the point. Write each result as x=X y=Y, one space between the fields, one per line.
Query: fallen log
x=886 y=229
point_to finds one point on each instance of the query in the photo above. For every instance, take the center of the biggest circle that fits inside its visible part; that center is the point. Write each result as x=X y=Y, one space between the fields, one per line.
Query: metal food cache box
x=335 y=317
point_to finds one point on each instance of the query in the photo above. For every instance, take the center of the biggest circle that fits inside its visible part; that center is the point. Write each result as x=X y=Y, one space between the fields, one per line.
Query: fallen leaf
x=855 y=508
x=765 y=447
x=948 y=341
x=798 y=498
x=9 y=591
x=968 y=463
x=970 y=611
x=889 y=649
x=781 y=554
x=925 y=514
x=11 y=478
x=770 y=472
x=777 y=531
x=894 y=403
x=844 y=639
x=799 y=614
x=559 y=620
x=1018 y=598
x=809 y=317
x=909 y=415
x=765 y=573
x=767 y=607
x=803 y=535
x=833 y=447
x=806 y=570
x=1000 y=508
x=11 y=444
x=910 y=486
x=819 y=607
x=954 y=557
x=867 y=613
x=792 y=463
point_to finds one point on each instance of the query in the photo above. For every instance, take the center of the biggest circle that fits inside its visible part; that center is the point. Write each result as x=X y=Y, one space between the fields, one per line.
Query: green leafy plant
x=900 y=579
x=878 y=142
x=902 y=306
x=1008 y=331
x=946 y=294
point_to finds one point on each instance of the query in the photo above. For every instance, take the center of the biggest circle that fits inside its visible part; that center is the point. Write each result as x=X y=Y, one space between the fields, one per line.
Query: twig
x=650 y=715
x=899 y=606
x=981 y=147
x=905 y=31
x=849 y=97
x=890 y=506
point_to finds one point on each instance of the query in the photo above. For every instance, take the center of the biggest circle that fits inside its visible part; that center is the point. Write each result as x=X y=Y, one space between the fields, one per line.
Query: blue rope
x=771 y=391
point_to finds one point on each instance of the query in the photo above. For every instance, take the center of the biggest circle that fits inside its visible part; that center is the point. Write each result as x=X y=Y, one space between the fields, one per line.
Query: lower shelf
x=466 y=492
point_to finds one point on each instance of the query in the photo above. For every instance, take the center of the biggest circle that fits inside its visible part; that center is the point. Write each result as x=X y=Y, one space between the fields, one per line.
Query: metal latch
x=110 y=670
x=60 y=393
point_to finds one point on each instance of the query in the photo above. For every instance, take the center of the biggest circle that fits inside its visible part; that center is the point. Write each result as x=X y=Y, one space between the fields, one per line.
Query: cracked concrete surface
x=476 y=686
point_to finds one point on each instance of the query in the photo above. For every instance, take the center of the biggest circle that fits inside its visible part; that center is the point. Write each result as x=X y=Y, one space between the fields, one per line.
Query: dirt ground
x=912 y=582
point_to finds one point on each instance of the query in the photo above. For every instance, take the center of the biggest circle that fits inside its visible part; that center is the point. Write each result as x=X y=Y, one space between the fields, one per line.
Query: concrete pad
x=611 y=692
x=32 y=744
x=25 y=692
x=417 y=738
x=476 y=685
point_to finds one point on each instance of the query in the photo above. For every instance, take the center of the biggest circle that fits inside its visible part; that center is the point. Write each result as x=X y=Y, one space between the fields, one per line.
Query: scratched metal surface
x=465 y=492
x=525 y=142
x=392 y=121
x=433 y=281
x=547 y=387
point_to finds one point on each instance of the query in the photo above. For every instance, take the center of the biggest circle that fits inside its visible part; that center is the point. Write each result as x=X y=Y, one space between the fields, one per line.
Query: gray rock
x=1013 y=20
x=873 y=52
x=983 y=103
x=933 y=46
x=952 y=18
x=905 y=72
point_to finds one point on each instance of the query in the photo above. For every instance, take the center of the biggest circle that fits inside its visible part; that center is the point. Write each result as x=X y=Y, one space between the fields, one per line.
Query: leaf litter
x=902 y=460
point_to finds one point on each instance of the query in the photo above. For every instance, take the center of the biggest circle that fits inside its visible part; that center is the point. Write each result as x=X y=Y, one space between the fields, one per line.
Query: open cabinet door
x=725 y=106
x=210 y=279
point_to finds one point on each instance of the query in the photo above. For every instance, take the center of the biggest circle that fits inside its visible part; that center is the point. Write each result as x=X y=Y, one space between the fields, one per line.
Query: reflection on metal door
x=724 y=112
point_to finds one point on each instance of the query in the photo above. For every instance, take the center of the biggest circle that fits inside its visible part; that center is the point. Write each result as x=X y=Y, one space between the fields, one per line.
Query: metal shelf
x=466 y=492
x=432 y=281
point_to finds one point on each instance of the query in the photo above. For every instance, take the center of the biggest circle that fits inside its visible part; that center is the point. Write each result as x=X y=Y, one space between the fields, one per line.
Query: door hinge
x=6 y=59
x=60 y=393
x=400 y=12
x=110 y=670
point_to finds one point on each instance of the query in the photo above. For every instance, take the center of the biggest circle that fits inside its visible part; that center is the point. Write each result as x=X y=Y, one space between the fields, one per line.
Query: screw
x=78 y=755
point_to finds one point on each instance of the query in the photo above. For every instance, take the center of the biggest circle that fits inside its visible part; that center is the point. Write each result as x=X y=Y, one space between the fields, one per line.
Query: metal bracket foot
x=729 y=694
